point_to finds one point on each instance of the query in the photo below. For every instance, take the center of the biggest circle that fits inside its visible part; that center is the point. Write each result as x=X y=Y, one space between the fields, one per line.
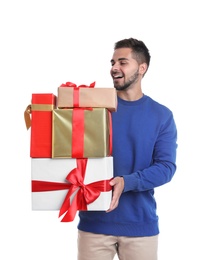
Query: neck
x=130 y=95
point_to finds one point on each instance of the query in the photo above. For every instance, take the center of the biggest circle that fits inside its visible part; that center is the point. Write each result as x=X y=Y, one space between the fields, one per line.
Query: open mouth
x=117 y=77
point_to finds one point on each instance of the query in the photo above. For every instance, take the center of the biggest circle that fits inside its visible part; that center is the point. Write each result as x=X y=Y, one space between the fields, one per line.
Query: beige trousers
x=104 y=247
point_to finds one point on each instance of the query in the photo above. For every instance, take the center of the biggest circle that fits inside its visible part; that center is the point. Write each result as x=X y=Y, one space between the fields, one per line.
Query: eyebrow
x=119 y=59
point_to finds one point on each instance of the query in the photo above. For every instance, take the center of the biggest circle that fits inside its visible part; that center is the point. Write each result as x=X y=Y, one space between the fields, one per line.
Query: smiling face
x=126 y=71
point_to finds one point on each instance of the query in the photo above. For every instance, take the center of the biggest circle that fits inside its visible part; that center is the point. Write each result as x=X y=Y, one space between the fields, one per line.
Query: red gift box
x=41 y=125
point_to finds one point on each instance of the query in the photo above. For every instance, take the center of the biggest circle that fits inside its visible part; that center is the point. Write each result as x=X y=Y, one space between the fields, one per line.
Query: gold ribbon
x=42 y=107
x=35 y=107
x=27 y=116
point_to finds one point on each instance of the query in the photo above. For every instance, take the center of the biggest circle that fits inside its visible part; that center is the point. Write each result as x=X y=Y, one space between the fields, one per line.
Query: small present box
x=69 y=185
x=81 y=133
x=41 y=125
x=69 y=96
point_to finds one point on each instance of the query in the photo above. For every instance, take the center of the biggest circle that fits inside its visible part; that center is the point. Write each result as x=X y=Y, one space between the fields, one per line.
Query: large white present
x=70 y=184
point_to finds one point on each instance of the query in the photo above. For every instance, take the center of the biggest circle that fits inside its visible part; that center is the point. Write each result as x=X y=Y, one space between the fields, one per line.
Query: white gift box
x=56 y=170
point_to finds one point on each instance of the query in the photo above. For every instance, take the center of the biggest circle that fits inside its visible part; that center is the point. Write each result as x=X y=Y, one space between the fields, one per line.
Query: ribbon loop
x=70 y=84
x=27 y=118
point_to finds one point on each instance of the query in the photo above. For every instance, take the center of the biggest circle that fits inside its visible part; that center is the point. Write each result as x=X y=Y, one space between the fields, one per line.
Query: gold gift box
x=81 y=133
x=88 y=97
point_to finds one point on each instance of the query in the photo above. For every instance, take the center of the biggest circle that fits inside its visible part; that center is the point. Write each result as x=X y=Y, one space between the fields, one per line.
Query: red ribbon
x=78 y=133
x=83 y=194
x=77 y=120
x=76 y=91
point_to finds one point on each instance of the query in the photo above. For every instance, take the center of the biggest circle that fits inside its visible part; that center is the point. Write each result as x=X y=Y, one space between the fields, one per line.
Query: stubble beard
x=128 y=83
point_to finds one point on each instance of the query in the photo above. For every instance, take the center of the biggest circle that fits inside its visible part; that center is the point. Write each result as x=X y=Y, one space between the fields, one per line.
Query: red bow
x=70 y=84
x=83 y=194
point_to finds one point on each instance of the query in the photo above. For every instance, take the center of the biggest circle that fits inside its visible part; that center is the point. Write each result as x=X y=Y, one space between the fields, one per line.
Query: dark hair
x=139 y=49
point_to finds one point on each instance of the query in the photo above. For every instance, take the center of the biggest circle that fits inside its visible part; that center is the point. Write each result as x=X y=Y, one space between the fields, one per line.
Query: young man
x=144 y=153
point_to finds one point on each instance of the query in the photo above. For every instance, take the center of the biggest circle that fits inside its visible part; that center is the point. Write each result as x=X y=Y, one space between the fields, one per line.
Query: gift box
x=41 y=125
x=69 y=96
x=69 y=185
x=81 y=133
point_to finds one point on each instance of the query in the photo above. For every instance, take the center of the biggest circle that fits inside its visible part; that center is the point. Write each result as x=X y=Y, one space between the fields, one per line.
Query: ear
x=143 y=68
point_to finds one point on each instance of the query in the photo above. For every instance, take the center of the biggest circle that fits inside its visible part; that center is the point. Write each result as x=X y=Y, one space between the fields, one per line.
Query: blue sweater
x=144 y=153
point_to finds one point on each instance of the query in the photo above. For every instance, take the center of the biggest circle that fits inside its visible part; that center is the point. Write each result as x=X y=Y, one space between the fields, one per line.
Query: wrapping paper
x=41 y=125
x=69 y=185
x=81 y=133
x=69 y=96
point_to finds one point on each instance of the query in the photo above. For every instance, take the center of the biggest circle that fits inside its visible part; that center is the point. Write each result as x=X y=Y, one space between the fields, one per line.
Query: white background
x=46 y=43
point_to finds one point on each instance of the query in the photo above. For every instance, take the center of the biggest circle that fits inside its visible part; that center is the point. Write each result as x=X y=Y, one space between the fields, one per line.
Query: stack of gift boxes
x=71 y=149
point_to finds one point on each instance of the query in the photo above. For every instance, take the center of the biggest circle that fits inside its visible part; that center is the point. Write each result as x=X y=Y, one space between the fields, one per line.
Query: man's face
x=125 y=69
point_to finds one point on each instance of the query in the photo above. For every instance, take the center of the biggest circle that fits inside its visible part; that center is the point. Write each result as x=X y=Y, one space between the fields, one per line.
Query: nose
x=115 y=68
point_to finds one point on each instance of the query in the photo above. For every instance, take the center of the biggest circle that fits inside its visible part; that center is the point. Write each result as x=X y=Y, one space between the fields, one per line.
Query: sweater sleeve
x=163 y=165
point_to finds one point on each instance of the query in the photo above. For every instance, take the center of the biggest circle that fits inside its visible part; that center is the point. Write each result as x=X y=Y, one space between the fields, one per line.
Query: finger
x=113 y=204
x=112 y=207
